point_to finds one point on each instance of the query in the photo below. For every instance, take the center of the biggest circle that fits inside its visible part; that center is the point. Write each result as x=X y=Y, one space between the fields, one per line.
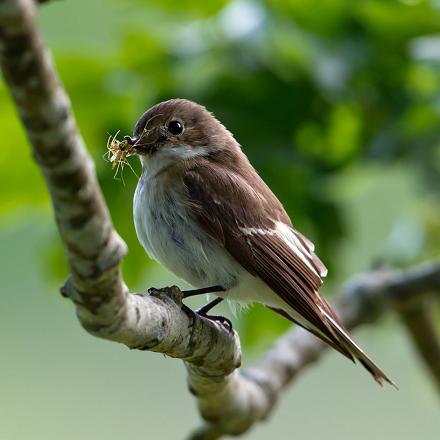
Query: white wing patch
x=286 y=233
x=289 y=237
x=258 y=231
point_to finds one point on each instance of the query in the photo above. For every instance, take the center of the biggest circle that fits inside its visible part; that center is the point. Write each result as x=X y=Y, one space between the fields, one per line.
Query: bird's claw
x=221 y=319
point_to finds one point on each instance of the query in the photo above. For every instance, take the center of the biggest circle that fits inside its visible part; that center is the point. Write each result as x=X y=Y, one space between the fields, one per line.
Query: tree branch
x=230 y=401
x=94 y=249
x=419 y=322
x=363 y=300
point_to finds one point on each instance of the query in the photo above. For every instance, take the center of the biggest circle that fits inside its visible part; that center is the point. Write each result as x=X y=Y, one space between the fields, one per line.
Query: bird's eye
x=175 y=127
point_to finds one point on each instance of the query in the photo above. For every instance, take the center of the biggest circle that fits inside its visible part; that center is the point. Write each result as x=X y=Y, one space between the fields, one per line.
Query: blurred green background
x=337 y=105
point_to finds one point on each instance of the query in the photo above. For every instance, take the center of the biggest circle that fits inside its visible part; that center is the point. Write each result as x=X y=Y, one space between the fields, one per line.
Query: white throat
x=169 y=155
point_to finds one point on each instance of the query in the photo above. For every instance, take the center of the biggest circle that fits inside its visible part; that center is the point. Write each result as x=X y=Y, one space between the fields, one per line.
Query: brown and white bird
x=202 y=211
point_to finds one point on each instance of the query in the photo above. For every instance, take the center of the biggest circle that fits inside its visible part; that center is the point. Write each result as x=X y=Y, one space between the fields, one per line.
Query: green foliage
x=324 y=97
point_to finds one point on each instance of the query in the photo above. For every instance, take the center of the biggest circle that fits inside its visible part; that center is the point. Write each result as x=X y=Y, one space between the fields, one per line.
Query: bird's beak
x=130 y=141
x=146 y=143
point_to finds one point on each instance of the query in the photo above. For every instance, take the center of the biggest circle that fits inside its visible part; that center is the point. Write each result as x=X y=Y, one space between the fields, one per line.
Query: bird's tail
x=350 y=345
x=337 y=336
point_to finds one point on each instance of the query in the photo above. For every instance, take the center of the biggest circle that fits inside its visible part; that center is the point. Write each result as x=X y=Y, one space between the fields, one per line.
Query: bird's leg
x=212 y=289
x=189 y=293
x=203 y=311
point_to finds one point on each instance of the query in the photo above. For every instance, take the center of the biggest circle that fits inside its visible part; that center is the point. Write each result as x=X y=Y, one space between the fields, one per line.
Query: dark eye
x=175 y=127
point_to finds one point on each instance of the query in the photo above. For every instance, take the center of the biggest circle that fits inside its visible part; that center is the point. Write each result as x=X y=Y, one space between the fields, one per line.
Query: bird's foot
x=221 y=319
x=172 y=292
x=203 y=311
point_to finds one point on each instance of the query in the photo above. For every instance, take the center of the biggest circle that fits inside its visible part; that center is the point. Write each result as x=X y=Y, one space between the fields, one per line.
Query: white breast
x=170 y=236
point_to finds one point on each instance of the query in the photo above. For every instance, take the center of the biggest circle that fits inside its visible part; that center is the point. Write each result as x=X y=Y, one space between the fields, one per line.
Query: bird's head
x=178 y=129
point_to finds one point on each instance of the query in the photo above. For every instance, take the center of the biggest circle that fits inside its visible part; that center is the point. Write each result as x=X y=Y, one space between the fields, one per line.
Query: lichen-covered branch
x=94 y=250
x=230 y=401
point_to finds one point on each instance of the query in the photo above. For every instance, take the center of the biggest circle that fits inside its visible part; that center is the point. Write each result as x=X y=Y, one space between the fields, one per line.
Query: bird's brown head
x=179 y=128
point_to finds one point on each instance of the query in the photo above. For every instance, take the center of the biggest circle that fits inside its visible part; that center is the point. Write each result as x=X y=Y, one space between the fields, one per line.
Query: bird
x=203 y=212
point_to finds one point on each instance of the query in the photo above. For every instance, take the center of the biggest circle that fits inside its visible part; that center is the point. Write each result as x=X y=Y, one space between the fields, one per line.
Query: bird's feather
x=249 y=221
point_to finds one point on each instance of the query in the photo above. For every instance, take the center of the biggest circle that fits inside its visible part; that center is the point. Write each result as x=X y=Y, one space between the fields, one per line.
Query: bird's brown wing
x=243 y=219
x=246 y=219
